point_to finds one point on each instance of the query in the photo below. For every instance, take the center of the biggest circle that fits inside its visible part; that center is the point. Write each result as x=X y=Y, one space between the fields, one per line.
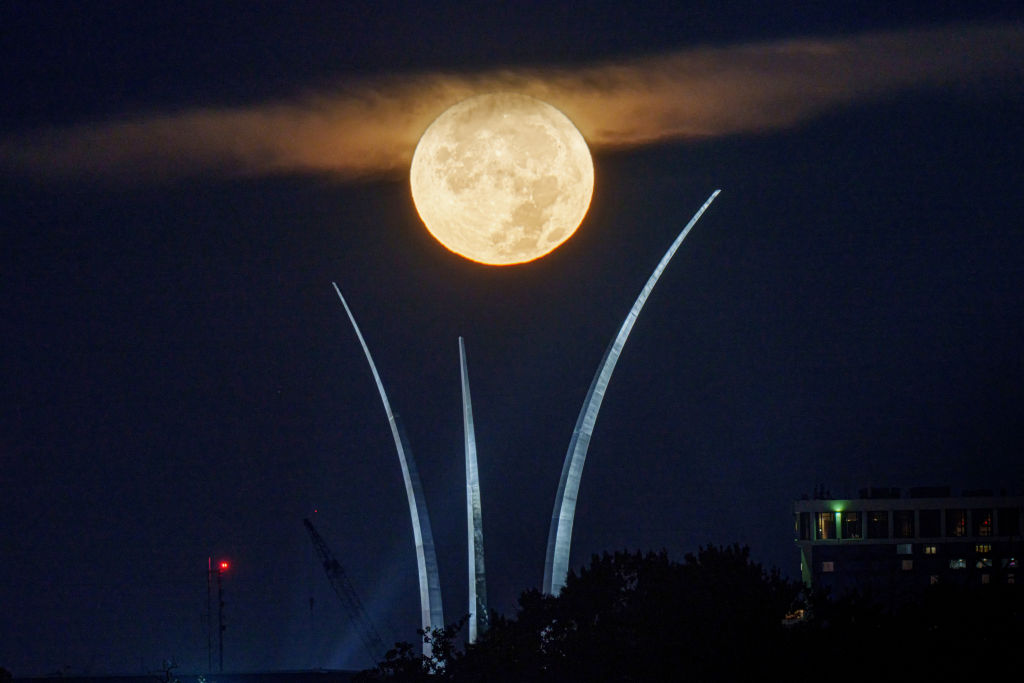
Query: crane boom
x=343 y=587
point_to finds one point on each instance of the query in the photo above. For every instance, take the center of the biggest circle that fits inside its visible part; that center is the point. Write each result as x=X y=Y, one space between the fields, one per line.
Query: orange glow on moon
x=502 y=178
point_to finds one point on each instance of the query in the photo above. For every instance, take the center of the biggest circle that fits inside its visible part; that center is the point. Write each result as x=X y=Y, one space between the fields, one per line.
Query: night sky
x=180 y=381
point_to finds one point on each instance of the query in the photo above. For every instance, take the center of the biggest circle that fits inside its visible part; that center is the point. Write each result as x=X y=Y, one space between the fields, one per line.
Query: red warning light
x=223 y=566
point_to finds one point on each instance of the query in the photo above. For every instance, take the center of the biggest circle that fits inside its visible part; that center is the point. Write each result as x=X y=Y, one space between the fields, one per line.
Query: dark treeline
x=718 y=616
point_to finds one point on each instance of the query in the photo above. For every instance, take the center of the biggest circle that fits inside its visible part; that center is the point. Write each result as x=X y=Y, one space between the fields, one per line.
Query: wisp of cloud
x=371 y=128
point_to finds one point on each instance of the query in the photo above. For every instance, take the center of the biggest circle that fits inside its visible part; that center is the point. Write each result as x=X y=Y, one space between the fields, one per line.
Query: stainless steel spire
x=478 y=617
x=556 y=562
x=431 y=613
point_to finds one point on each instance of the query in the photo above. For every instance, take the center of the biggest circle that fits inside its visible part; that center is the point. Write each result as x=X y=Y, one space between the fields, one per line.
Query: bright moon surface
x=502 y=178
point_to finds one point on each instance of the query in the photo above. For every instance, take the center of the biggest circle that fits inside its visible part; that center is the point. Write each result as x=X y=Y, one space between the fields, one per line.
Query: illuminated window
x=828 y=566
x=878 y=524
x=958 y=564
x=851 y=524
x=983 y=547
x=956 y=522
x=984 y=562
x=903 y=523
x=907 y=565
x=826 y=523
x=929 y=550
x=981 y=522
x=904 y=548
x=1009 y=521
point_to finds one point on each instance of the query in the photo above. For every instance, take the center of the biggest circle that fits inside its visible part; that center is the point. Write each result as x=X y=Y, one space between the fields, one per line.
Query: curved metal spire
x=431 y=613
x=478 y=617
x=556 y=561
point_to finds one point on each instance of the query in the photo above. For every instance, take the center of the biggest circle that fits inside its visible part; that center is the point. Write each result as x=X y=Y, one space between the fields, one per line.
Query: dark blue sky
x=180 y=381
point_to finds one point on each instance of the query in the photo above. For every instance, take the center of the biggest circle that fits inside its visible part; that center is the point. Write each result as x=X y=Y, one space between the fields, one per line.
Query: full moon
x=502 y=178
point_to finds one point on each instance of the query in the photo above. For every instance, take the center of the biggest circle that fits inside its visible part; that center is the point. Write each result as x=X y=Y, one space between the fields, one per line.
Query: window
x=904 y=548
x=933 y=579
x=903 y=523
x=1009 y=521
x=826 y=522
x=878 y=524
x=803 y=526
x=1009 y=578
x=981 y=522
x=907 y=565
x=931 y=523
x=929 y=549
x=956 y=522
x=828 y=566
x=958 y=564
x=985 y=578
x=982 y=547
x=851 y=524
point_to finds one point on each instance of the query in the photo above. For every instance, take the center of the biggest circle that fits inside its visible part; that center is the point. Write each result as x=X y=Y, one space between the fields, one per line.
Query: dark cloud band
x=371 y=128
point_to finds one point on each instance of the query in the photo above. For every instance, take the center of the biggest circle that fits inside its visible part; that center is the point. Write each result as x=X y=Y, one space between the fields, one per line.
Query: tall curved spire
x=478 y=617
x=431 y=613
x=556 y=561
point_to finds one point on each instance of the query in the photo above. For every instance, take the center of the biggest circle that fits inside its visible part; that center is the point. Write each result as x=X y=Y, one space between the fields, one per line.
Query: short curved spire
x=556 y=561
x=431 y=613
x=478 y=616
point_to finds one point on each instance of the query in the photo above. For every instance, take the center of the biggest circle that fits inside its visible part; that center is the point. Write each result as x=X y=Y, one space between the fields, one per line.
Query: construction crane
x=343 y=587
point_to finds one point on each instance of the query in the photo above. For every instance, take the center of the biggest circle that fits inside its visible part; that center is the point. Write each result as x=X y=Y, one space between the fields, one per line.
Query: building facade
x=891 y=543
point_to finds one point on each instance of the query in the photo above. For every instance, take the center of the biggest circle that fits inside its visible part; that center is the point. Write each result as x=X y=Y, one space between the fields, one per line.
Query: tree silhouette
x=626 y=617
x=404 y=662
x=718 y=616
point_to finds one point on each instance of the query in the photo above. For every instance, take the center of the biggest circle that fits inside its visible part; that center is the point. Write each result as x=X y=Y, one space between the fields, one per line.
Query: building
x=891 y=544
